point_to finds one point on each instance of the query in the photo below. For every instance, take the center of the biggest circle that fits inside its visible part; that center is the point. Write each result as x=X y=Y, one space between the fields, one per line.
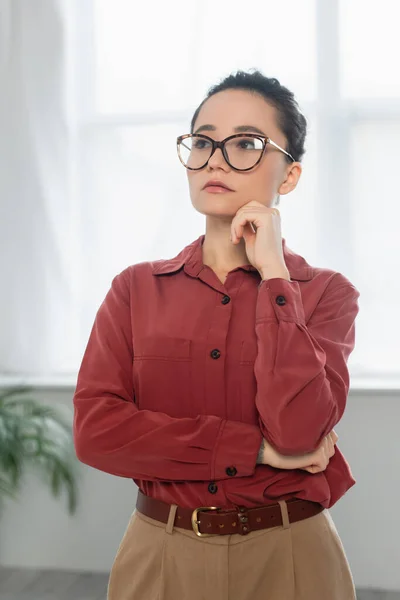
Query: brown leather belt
x=204 y=521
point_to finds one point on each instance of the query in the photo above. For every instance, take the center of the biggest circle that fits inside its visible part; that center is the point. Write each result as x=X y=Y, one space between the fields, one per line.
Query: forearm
x=301 y=364
x=268 y=455
x=260 y=456
x=114 y=436
x=313 y=462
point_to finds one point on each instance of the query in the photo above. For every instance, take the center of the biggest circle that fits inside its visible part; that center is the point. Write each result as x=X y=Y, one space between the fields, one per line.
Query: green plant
x=35 y=436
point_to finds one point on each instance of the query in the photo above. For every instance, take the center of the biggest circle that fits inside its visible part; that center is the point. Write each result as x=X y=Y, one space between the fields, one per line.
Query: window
x=140 y=74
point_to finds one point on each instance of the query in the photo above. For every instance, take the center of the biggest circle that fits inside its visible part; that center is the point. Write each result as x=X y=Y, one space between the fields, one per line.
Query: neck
x=218 y=251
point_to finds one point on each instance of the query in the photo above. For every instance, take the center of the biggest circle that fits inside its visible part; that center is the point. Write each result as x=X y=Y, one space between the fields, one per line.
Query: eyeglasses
x=242 y=151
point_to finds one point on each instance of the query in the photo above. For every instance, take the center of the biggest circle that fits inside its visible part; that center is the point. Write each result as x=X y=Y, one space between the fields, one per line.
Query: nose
x=217 y=159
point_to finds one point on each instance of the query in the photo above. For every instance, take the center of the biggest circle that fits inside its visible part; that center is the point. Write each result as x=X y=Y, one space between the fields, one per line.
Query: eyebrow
x=239 y=129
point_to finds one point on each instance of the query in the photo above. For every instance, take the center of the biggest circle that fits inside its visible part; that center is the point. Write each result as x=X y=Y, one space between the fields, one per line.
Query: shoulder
x=141 y=272
x=328 y=280
x=135 y=274
x=323 y=290
x=315 y=278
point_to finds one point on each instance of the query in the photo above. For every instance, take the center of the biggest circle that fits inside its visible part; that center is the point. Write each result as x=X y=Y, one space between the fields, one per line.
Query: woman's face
x=222 y=113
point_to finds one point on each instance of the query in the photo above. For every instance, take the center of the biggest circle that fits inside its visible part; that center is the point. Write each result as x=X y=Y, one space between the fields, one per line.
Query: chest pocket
x=162 y=373
x=248 y=382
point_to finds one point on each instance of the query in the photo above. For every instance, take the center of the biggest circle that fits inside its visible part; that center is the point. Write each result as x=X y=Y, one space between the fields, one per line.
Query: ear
x=292 y=176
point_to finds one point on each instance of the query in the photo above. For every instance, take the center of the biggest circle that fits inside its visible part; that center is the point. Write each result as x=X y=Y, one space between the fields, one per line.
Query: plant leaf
x=37 y=436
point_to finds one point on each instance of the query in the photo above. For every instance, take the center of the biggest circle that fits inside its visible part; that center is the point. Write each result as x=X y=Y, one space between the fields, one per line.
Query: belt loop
x=171 y=518
x=285 y=515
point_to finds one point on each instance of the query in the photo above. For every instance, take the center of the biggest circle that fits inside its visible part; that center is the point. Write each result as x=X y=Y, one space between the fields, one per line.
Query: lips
x=216 y=183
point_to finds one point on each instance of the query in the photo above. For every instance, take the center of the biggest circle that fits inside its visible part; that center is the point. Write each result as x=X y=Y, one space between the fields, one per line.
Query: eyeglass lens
x=242 y=152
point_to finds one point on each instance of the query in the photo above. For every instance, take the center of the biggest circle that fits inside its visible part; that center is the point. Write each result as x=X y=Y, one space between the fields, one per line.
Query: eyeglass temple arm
x=185 y=145
x=279 y=148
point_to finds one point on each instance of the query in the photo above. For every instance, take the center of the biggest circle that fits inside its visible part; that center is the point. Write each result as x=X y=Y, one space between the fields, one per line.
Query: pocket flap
x=163 y=348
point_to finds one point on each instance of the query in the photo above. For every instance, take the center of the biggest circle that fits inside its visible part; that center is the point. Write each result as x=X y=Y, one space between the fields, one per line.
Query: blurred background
x=93 y=95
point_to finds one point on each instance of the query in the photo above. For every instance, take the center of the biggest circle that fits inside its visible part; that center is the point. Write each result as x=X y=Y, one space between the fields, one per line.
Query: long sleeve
x=301 y=370
x=110 y=432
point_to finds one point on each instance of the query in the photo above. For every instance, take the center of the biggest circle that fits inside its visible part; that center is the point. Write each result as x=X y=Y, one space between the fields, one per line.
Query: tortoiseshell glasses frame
x=264 y=139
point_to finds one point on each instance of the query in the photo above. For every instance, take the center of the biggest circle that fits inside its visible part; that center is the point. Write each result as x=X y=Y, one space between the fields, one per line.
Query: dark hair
x=290 y=120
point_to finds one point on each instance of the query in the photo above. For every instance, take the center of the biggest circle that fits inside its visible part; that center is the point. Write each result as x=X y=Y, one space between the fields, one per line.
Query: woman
x=215 y=379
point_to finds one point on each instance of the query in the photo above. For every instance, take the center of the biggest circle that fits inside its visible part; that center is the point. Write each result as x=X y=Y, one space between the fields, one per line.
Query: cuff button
x=281 y=300
x=231 y=471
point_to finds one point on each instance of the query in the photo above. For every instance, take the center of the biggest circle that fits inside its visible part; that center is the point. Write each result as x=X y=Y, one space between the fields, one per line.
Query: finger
x=328 y=443
x=237 y=233
x=324 y=453
x=313 y=469
x=239 y=225
x=333 y=450
x=263 y=210
x=234 y=234
x=334 y=436
x=258 y=207
x=248 y=214
x=234 y=237
x=330 y=450
x=318 y=461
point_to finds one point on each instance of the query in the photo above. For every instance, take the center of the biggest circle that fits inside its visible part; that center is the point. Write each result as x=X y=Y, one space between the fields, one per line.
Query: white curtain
x=36 y=297
x=93 y=95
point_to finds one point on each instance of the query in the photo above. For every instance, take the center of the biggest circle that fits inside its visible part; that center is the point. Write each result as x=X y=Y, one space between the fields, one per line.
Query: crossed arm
x=113 y=435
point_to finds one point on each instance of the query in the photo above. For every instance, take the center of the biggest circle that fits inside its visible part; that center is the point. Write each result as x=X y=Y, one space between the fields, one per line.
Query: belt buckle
x=196 y=522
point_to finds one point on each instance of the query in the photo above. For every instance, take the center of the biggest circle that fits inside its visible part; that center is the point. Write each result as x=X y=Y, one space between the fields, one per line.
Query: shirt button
x=231 y=471
x=281 y=300
x=215 y=353
x=212 y=488
x=225 y=300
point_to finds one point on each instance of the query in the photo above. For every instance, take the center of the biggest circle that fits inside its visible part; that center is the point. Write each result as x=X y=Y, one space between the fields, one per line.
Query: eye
x=247 y=143
x=200 y=144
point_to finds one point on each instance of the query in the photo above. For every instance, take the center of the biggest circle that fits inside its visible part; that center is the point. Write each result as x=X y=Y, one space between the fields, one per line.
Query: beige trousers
x=300 y=561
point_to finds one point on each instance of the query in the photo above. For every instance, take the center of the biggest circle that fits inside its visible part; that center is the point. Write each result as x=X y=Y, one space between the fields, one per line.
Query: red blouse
x=183 y=375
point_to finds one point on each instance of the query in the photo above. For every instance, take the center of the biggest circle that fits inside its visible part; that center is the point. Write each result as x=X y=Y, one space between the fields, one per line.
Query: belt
x=211 y=520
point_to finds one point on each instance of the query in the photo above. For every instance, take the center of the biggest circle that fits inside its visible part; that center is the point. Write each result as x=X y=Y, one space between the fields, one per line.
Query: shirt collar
x=191 y=258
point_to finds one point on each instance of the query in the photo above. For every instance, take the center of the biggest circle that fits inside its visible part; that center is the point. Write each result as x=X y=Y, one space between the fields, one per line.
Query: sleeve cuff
x=237 y=450
x=279 y=300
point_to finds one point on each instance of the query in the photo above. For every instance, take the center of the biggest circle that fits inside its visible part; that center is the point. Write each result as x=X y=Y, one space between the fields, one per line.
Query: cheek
x=261 y=185
x=194 y=182
x=191 y=185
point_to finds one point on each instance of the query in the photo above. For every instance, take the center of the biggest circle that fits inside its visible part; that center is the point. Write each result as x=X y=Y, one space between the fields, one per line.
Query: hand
x=264 y=245
x=319 y=460
x=313 y=462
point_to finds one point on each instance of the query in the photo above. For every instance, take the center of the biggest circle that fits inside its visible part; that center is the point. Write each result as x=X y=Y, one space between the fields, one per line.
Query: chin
x=216 y=204
x=211 y=209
